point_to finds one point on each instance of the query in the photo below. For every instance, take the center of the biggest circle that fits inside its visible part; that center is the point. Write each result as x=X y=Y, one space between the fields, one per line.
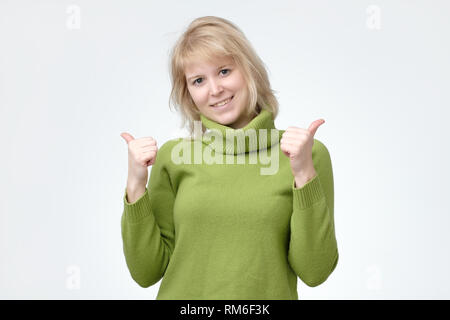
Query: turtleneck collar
x=259 y=134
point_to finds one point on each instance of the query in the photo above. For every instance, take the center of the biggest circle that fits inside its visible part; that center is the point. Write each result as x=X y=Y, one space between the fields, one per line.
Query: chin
x=226 y=120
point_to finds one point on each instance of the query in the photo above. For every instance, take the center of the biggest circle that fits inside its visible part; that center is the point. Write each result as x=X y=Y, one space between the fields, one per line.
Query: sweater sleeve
x=147 y=226
x=313 y=252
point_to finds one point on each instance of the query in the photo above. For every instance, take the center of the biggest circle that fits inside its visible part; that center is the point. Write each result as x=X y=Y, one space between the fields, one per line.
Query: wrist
x=134 y=185
x=301 y=178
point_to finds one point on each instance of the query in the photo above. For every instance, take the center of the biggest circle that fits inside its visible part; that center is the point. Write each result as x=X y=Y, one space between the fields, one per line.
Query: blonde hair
x=208 y=37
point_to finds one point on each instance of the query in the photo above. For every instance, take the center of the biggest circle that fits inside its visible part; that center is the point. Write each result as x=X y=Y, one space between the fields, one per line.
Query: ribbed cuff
x=308 y=194
x=139 y=209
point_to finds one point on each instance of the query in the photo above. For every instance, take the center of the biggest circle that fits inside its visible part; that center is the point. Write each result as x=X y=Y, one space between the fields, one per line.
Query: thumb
x=127 y=137
x=315 y=125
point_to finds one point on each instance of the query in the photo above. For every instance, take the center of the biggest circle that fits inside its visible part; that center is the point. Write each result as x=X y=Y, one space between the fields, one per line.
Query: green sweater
x=231 y=230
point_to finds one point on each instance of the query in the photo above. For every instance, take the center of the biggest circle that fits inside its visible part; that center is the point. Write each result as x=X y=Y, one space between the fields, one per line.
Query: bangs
x=203 y=50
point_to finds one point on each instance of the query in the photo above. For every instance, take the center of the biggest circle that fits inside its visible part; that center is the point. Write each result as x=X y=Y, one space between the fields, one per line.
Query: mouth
x=222 y=104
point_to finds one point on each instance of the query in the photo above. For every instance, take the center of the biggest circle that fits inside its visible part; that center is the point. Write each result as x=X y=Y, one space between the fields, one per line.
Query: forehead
x=199 y=64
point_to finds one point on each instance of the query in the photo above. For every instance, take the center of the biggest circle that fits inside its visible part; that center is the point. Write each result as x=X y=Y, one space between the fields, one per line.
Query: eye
x=195 y=81
x=225 y=70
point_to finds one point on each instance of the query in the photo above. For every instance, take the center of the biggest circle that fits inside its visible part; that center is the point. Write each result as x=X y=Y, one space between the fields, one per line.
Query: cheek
x=198 y=95
x=239 y=83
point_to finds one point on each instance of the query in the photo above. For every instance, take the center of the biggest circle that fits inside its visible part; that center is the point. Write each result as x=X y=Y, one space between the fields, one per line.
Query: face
x=211 y=83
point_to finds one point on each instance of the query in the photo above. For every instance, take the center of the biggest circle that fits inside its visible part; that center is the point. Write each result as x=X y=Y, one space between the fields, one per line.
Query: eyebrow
x=201 y=75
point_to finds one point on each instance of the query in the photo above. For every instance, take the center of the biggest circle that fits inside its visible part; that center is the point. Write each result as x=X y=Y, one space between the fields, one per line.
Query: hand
x=296 y=143
x=141 y=154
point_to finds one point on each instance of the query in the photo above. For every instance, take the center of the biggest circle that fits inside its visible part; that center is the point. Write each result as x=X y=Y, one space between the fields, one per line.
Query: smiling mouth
x=224 y=102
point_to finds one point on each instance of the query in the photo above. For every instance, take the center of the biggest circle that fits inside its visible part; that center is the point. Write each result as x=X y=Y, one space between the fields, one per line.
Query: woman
x=212 y=222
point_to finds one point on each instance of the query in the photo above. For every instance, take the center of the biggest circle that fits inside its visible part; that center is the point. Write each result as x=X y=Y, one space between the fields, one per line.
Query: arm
x=313 y=252
x=147 y=226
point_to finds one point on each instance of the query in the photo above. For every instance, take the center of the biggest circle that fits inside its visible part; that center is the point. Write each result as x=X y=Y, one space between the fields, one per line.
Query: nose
x=215 y=87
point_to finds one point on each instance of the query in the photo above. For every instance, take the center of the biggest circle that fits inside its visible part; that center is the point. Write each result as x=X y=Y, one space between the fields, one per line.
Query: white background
x=75 y=74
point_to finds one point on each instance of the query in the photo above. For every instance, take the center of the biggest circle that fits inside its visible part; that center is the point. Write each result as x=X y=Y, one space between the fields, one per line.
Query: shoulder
x=167 y=146
x=320 y=153
x=319 y=146
x=166 y=150
x=320 y=149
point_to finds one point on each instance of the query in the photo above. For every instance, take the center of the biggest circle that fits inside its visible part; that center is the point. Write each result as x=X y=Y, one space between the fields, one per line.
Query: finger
x=291 y=144
x=293 y=129
x=297 y=138
x=145 y=142
x=149 y=139
x=285 y=148
x=127 y=137
x=315 y=125
x=149 y=148
x=296 y=135
x=145 y=146
x=291 y=150
x=286 y=153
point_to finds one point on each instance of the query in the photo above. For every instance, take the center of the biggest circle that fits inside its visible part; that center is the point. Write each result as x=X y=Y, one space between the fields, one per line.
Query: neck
x=242 y=123
x=258 y=134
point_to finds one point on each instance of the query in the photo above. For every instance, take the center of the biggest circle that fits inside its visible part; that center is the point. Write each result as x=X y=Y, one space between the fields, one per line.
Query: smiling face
x=217 y=81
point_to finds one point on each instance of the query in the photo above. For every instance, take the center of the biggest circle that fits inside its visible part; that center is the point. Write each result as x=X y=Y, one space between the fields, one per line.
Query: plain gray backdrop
x=75 y=74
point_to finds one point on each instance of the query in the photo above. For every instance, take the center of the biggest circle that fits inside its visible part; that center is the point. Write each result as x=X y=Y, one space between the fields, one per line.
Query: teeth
x=222 y=103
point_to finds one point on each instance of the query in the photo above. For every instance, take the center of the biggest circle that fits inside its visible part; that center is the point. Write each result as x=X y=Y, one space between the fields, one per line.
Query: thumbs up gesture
x=141 y=154
x=296 y=143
